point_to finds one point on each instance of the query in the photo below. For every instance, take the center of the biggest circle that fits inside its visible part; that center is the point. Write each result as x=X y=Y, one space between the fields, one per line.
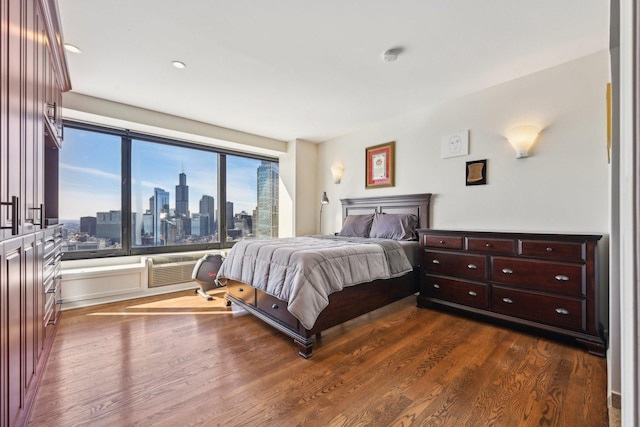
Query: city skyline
x=86 y=166
x=162 y=225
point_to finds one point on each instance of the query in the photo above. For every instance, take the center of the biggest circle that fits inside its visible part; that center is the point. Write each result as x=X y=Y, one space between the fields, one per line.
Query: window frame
x=127 y=137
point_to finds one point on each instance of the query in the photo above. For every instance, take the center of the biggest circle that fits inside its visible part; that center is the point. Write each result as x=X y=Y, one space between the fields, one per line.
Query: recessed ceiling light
x=71 y=48
x=179 y=64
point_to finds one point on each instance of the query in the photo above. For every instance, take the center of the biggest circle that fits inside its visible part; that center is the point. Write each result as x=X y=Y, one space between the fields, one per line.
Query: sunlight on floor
x=182 y=305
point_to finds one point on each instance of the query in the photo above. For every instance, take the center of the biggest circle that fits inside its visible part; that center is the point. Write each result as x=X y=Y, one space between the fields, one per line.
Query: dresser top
x=513 y=234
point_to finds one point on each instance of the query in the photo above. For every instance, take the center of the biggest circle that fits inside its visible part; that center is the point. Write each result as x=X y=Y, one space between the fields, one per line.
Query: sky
x=90 y=165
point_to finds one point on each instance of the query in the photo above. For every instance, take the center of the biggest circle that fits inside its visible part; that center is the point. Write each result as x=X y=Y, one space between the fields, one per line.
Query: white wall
x=298 y=177
x=562 y=187
x=629 y=216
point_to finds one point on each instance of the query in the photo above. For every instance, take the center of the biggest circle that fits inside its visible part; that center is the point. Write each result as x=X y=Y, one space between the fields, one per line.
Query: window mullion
x=126 y=194
x=222 y=199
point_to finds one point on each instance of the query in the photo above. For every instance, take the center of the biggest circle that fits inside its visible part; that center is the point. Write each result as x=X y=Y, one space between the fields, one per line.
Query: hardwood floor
x=175 y=361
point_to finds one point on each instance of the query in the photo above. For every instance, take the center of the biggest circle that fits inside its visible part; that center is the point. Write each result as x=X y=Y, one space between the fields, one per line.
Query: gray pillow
x=394 y=226
x=356 y=225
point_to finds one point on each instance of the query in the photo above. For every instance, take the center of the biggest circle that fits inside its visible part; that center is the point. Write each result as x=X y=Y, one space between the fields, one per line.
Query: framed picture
x=476 y=172
x=379 y=165
x=455 y=144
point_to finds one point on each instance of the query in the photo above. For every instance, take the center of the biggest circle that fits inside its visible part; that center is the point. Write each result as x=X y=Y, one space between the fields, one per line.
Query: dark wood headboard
x=417 y=204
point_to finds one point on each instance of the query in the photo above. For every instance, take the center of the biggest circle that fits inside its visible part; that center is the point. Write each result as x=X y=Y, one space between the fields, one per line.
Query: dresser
x=545 y=281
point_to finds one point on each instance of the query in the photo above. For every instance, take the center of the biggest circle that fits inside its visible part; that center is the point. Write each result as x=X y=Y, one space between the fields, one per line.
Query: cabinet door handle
x=41 y=209
x=562 y=277
x=473 y=294
x=562 y=311
x=507 y=271
x=507 y=300
x=435 y=261
x=435 y=285
x=472 y=266
x=15 y=214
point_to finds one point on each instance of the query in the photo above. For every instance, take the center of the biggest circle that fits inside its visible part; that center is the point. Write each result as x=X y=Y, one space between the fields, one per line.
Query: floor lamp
x=323 y=201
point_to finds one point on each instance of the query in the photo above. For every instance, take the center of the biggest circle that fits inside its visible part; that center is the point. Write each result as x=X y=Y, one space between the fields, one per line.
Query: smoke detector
x=392 y=54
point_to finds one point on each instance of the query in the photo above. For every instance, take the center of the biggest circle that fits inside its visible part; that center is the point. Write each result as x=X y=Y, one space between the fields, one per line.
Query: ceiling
x=288 y=69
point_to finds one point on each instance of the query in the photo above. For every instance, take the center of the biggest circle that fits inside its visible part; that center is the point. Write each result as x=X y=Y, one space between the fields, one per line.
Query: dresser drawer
x=568 y=313
x=555 y=277
x=447 y=242
x=242 y=291
x=568 y=251
x=276 y=308
x=455 y=264
x=494 y=246
x=458 y=291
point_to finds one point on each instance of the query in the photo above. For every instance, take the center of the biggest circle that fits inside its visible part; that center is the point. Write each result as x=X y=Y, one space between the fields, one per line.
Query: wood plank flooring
x=178 y=360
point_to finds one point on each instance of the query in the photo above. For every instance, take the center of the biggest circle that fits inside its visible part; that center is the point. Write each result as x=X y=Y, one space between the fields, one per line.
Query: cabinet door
x=12 y=279
x=32 y=141
x=29 y=292
x=39 y=291
x=10 y=166
x=4 y=115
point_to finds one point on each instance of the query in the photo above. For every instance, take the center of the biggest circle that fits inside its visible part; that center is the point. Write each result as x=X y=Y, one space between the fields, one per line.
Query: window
x=252 y=198
x=124 y=194
x=90 y=191
x=173 y=195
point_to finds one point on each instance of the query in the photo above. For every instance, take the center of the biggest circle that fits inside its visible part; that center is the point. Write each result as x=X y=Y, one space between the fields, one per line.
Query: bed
x=348 y=303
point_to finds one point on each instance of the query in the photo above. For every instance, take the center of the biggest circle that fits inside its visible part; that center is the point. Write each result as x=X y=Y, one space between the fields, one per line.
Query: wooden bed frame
x=352 y=301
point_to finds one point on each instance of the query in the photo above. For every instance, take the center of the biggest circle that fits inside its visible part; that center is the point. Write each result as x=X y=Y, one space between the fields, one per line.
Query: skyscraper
x=229 y=211
x=267 y=212
x=88 y=225
x=108 y=225
x=160 y=212
x=208 y=207
x=182 y=196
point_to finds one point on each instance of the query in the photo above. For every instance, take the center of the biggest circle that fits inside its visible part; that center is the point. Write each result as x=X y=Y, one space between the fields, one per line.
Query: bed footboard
x=348 y=304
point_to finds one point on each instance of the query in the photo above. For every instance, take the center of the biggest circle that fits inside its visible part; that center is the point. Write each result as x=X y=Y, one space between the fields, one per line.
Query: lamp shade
x=522 y=138
x=324 y=200
x=336 y=171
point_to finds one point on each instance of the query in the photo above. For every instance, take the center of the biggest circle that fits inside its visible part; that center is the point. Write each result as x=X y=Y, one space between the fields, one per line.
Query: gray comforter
x=305 y=270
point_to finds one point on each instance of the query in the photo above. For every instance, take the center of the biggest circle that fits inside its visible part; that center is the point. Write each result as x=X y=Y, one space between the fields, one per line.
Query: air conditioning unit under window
x=171 y=269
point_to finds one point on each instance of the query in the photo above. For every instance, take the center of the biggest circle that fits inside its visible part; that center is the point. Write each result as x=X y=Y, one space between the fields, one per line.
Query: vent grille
x=168 y=270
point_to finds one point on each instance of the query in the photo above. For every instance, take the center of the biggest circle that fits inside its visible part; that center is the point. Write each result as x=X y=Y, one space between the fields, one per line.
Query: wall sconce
x=336 y=171
x=323 y=201
x=522 y=138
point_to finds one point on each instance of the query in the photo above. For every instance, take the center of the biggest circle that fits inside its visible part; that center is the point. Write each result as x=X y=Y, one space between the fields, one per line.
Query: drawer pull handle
x=507 y=300
x=487 y=245
x=562 y=277
x=507 y=271
x=549 y=249
x=442 y=242
x=240 y=290
x=435 y=261
x=562 y=311
x=472 y=266
x=473 y=294
x=435 y=285
x=275 y=306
